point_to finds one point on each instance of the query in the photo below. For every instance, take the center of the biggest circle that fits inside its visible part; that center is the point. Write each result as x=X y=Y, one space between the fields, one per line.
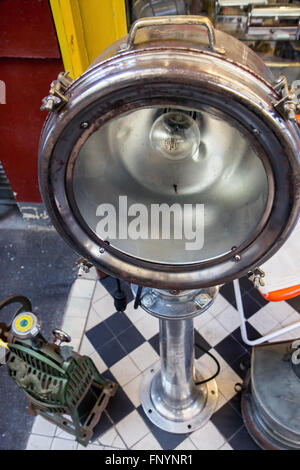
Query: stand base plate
x=203 y=406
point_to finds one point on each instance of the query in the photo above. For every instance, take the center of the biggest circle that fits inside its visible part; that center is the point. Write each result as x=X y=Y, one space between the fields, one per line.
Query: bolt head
x=47 y=104
x=148 y=300
x=205 y=298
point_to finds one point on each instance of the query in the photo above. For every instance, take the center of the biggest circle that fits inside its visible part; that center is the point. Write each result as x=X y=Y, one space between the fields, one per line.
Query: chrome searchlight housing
x=173 y=161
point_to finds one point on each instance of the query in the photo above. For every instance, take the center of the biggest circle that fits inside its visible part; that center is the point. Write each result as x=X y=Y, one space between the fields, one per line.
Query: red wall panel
x=26 y=29
x=29 y=61
x=21 y=121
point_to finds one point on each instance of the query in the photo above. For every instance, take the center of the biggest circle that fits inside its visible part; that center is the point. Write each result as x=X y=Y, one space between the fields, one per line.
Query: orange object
x=298 y=118
x=282 y=271
x=282 y=294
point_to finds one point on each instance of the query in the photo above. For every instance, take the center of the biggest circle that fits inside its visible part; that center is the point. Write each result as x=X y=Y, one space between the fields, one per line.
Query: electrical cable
x=25 y=303
x=120 y=299
x=137 y=301
x=216 y=361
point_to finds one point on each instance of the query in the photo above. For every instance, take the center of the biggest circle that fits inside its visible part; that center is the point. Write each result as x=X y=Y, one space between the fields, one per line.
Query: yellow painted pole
x=85 y=28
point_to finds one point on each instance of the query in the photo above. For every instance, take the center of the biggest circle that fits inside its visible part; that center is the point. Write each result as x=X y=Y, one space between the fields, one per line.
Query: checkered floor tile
x=124 y=345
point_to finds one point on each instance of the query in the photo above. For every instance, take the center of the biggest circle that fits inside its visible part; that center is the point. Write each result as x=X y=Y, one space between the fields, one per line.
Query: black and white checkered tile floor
x=124 y=345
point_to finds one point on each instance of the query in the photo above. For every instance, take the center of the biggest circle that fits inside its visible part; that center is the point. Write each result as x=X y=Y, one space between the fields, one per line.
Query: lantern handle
x=173 y=21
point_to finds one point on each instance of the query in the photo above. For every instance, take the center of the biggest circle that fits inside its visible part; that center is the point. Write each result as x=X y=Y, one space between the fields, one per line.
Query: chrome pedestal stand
x=169 y=394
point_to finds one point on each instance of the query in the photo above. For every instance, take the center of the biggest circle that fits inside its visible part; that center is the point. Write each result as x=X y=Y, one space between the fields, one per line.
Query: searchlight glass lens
x=173 y=186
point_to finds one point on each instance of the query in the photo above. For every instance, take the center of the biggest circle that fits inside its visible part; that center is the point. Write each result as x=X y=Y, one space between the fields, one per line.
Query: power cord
x=120 y=300
x=216 y=361
x=137 y=301
x=137 y=304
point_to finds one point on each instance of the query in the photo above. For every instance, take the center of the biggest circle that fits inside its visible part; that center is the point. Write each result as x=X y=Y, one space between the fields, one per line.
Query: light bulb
x=175 y=135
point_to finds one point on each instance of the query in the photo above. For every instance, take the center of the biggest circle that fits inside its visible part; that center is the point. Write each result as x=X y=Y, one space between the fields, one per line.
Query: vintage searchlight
x=174 y=113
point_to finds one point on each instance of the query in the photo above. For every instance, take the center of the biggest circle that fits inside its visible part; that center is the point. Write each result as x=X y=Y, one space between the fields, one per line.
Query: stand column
x=169 y=394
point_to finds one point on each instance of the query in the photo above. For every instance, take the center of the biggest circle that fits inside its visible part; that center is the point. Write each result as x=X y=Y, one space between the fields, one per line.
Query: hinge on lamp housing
x=57 y=99
x=256 y=276
x=82 y=266
x=287 y=105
